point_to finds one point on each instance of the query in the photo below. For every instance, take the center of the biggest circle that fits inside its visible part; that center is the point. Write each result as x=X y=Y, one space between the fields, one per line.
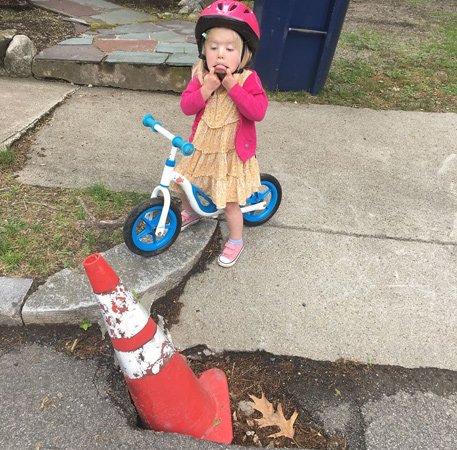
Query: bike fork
x=160 y=229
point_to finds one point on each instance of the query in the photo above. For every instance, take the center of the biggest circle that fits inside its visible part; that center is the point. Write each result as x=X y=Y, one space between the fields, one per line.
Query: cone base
x=214 y=382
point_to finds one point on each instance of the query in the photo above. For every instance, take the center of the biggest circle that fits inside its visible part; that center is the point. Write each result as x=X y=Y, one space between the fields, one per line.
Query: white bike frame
x=169 y=175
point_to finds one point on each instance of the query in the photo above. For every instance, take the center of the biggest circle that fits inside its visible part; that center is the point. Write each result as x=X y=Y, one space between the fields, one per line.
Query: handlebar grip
x=149 y=121
x=186 y=147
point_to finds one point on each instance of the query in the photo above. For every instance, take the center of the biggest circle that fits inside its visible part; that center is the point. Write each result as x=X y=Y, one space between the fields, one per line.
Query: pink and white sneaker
x=230 y=254
x=188 y=218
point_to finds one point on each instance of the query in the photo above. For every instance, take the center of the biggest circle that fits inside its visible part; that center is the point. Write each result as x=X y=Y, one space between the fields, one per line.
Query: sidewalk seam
x=30 y=127
x=366 y=236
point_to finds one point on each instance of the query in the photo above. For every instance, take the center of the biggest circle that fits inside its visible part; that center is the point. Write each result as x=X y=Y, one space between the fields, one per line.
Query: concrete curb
x=13 y=292
x=66 y=297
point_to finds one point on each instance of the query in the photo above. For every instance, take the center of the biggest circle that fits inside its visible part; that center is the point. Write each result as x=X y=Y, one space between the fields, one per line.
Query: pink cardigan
x=251 y=101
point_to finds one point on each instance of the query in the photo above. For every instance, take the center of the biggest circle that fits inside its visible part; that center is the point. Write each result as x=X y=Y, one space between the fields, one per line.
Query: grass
x=7 y=156
x=43 y=230
x=102 y=26
x=382 y=70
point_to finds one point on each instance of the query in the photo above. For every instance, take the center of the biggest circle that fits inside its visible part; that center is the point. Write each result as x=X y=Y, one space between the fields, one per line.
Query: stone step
x=127 y=70
x=136 y=63
x=129 y=49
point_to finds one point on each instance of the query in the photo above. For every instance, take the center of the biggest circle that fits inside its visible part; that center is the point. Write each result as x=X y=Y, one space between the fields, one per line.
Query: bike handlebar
x=186 y=148
x=149 y=121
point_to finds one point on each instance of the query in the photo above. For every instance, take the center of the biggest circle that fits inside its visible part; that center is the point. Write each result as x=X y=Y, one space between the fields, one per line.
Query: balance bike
x=154 y=225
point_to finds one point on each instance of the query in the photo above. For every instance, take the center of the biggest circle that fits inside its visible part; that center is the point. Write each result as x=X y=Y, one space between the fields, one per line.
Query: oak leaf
x=274 y=419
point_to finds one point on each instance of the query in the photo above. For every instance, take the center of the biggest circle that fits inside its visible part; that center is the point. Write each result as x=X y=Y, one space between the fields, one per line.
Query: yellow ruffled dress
x=215 y=167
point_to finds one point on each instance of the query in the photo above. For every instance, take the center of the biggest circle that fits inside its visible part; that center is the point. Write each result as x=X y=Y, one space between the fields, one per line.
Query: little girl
x=227 y=99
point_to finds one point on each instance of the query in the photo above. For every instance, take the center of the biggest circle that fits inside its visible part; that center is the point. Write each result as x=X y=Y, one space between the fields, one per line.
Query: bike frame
x=198 y=200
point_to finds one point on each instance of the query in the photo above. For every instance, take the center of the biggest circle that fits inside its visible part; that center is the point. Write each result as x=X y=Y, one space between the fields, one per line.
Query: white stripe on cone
x=123 y=315
x=148 y=359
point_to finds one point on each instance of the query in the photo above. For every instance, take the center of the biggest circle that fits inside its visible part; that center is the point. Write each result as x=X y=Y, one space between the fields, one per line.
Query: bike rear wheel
x=141 y=224
x=270 y=192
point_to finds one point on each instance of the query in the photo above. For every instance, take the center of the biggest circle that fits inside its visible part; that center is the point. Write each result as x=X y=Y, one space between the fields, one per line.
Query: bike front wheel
x=270 y=192
x=141 y=224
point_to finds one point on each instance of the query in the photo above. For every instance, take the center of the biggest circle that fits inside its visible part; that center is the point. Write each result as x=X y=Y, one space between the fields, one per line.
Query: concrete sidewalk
x=363 y=243
x=31 y=101
x=359 y=261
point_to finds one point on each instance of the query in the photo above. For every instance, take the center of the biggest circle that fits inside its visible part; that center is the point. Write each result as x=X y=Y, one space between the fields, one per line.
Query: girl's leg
x=184 y=202
x=188 y=215
x=234 y=246
x=234 y=219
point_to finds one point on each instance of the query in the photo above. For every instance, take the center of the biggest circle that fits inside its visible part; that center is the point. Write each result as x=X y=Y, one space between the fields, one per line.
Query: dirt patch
x=44 y=28
x=395 y=16
x=399 y=21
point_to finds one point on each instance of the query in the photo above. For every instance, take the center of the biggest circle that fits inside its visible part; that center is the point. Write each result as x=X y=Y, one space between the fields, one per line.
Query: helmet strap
x=239 y=69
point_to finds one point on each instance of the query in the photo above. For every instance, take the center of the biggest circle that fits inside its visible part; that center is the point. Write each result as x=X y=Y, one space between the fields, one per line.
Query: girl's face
x=222 y=50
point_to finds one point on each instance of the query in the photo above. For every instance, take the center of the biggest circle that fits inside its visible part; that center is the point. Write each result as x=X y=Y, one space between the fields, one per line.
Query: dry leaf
x=274 y=419
x=46 y=402
x=262 y=405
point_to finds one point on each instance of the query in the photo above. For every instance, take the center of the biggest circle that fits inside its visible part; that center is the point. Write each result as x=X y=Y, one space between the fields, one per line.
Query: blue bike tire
x=140 y=225
x=273 y=196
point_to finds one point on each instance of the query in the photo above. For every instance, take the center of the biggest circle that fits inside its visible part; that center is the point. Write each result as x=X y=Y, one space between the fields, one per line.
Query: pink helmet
x=229 y=14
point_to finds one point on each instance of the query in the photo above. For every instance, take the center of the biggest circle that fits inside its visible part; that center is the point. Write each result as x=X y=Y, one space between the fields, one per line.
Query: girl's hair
x=199 y=67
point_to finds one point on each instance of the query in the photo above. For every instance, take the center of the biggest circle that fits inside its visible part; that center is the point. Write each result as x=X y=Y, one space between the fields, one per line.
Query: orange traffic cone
x=165 y=391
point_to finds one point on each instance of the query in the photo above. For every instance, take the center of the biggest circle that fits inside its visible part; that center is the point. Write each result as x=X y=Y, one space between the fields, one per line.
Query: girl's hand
x=229 y=80
x=210 y=83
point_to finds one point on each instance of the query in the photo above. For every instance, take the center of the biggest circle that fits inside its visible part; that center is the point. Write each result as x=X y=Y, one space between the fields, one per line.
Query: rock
x=19 y=56
x=191 y=5
x=184 y=10
x=19 y=5
x=5 y=38
x=246 y=408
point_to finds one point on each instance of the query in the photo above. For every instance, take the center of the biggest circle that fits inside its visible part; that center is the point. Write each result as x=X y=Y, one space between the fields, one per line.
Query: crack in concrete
x=366 y=235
